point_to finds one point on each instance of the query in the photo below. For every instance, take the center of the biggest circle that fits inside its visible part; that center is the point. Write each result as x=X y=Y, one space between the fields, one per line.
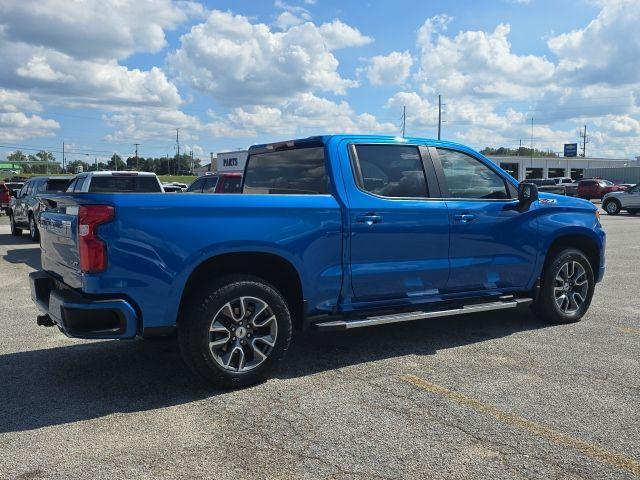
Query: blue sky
x=101 y=76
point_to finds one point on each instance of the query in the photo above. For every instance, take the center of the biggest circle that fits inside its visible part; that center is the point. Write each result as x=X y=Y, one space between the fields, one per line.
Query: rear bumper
x=80 y=316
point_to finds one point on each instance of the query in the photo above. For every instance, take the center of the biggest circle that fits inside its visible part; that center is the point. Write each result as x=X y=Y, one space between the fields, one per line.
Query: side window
x=468 y=177
x=196 y=186
x=390 y=171
x=79 y=183
x=30 y=188
x=300 y=171
x=210 y=185
x=71 y=187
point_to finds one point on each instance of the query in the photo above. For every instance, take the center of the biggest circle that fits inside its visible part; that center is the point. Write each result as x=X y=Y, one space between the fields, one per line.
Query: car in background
x=547 y=185
x=14 y=187
x=628 y=200
x=569 y=184
x=120 y=182
x=183 y=186
x=24 y=209
x=218 y=183
x=597 y=188
x=171 y=188
x=5 y=198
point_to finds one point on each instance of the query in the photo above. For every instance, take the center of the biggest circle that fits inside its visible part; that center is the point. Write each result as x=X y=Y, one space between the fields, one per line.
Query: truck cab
x=330 y=233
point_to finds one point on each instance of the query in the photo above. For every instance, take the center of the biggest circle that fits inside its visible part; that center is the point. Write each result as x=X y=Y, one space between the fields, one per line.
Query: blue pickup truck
x=329 y=233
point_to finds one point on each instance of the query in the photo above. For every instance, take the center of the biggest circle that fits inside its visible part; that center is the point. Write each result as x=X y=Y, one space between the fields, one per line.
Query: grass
x=177 y=178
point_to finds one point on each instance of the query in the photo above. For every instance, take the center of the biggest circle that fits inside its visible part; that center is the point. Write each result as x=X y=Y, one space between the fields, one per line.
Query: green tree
x=16 y=156
x=116 y=163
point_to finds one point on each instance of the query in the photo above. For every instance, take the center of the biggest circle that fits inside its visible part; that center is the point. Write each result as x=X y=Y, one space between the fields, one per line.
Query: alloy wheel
x=242 y=334
x=571 y=287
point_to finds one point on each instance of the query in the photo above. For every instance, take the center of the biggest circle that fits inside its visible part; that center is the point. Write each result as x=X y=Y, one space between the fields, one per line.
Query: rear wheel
x=235 y=331
x=567 y=287
x=612 y=207
x=15 y=231
x=632 y=212
x=34 y=233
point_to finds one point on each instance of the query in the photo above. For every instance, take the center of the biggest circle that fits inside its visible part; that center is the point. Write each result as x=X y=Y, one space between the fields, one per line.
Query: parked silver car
x=629 y=200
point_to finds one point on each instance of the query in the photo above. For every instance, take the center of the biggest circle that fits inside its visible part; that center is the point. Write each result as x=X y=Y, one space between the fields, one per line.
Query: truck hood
x=552 y=199
x=615 y=194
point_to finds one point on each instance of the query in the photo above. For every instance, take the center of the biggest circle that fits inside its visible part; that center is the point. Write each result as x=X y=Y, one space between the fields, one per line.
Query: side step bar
x=346 y=324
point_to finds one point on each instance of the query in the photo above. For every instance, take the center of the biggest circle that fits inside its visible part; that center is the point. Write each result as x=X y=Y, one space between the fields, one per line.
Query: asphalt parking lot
x=498 y=395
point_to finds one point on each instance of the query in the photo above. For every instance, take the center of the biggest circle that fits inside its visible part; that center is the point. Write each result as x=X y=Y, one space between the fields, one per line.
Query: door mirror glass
x=527 y=192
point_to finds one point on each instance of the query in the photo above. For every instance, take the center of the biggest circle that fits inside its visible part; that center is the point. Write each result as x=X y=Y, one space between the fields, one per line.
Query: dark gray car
x=25 y=208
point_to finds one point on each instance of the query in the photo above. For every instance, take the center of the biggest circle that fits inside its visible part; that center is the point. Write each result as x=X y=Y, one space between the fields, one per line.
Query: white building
x=549 y=167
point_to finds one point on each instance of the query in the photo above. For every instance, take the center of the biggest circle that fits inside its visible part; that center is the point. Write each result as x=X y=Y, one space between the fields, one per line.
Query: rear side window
x=391 y=171
x=231 y=185
x=210 y=185
x=56 y=185
x=121 y=183
x=298 y=171
x=196 y=186
x=468 y=177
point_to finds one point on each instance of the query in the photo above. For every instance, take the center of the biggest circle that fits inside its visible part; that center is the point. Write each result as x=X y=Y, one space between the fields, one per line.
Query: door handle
x=464 y=217
x=369 y=218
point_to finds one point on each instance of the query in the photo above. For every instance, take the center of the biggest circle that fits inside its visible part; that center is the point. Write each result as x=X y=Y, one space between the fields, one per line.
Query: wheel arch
x=272 y=268
x=580 y=241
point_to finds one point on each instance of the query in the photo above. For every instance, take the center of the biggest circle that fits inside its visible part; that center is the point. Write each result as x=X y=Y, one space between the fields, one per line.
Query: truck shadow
x=28 y=256
x=90 y=380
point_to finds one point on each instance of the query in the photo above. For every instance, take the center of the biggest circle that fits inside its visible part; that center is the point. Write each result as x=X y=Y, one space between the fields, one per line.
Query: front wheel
x=612 y=207
x=567 y=287
x=234 y=332
x=34 y=233
x=15 y=231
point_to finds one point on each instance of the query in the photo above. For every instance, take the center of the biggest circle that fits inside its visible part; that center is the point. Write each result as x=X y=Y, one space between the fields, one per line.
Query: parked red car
x=597 y=188
x=5 y=197
x=227 y=182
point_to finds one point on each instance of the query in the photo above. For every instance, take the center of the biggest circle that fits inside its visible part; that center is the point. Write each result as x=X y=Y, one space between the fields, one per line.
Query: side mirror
x=527 y=192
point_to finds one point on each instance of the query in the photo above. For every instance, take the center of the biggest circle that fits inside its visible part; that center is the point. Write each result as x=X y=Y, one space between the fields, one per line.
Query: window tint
x=391 y=170
x=122 y=183
x=210 y=185
x=468 y=177
x=56 y=185
x=231 y=185
x=196 y=186
x=298 y=171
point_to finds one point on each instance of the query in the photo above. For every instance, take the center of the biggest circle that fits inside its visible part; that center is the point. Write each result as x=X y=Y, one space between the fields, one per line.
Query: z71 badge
x=547 y=201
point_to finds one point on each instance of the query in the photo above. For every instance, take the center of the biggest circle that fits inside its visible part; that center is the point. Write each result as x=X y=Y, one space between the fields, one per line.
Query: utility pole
x=211 y=164
x=404 y=120
x=585 y=140
x=137 y=145
x=439 y=115
x=62 y=157
x=531 y=152
x=191 y=161
x=519 y=148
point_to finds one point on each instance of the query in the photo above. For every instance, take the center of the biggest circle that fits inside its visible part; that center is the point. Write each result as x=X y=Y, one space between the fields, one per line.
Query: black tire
x=34 y=233
x=546 y=306
x=200 y=311
x=15 y=231
x=632 y=212
x=612 y=207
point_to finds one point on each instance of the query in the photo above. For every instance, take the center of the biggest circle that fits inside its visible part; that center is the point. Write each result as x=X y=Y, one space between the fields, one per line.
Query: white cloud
x=477 y=63
x=340 y=35
x=392 y=69
x=94 y=28
x=15 y=124
x=605 y=51
x=239 y=62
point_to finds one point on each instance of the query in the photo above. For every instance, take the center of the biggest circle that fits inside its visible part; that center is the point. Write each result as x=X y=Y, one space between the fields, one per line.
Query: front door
x=493 y=240
x=632 y=200
x=399 y=236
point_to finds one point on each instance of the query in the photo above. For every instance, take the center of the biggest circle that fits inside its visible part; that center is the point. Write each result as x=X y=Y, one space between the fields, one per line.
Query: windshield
x=123 y=183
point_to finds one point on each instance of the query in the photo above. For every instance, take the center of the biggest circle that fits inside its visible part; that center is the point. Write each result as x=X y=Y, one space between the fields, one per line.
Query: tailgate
x=59 y=237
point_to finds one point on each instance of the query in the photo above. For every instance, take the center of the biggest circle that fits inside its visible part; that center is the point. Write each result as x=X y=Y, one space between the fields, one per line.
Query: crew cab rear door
x=399 y=242
x=493 y=241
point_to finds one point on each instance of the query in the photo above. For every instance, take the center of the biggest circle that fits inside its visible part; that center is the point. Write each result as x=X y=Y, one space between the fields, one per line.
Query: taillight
x=92 y=250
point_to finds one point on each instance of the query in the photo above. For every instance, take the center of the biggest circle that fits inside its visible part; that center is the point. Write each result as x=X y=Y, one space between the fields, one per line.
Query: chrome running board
x=346 y=324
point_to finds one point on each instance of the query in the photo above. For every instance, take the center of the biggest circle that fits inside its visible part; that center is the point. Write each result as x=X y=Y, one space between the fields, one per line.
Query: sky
x=102 y=75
